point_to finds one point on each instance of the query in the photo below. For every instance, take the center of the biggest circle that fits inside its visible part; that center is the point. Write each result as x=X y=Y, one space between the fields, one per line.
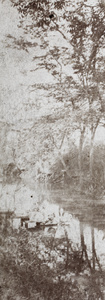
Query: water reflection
x=77 y=245
x=21 y=198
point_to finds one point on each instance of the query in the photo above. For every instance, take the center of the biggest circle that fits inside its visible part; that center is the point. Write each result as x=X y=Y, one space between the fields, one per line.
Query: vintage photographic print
x=52 y=149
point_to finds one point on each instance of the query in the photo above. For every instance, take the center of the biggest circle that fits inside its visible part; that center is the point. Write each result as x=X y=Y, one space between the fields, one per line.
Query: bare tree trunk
x=104 y=175
x=60 y=154
x=93 y=249
x=83 y=247
x=80 y=163
x=91 y=155
x=80 y=157
x=64 y=165
x=93 y=131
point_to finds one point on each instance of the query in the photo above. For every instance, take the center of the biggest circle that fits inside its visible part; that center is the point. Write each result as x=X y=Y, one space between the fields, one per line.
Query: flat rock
x=30 y=225
x=16 y=223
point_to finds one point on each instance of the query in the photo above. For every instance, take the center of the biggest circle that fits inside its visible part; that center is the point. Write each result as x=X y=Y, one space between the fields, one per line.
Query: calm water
x=21 y=199
x=82 y=220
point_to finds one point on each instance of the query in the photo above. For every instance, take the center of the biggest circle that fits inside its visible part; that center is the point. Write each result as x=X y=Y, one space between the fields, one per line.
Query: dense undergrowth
x=94 y=185
x=65 y=170
x=30 y=275
x=35 y=266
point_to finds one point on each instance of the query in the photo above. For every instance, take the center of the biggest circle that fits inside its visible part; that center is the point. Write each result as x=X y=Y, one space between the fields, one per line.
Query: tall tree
x=81 y=25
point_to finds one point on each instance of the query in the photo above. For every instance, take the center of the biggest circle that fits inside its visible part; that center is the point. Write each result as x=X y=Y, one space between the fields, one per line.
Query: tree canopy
x=64 y=42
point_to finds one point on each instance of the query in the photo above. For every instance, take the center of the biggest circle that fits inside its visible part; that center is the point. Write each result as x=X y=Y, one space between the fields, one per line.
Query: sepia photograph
x=52 y=149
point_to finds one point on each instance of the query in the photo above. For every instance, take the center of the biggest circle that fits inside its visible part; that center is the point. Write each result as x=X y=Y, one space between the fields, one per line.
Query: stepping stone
x=23 y=219
x=16 y=223
x=30 y=225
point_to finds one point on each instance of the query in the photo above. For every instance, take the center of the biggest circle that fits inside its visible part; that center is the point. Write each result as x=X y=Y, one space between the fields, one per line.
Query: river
x=87 y=214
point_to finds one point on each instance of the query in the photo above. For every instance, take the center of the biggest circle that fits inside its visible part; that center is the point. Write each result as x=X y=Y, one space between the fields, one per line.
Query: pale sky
x=15 y=65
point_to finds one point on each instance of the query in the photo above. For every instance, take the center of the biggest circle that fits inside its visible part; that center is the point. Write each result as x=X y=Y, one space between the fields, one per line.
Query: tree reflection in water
x=65 y=249
x=97 y=283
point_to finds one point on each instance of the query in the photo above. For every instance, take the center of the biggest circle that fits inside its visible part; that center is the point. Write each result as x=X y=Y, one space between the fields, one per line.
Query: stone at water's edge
x=38 y=225
x=23 y=219
x=16 y=223
x=30 y=225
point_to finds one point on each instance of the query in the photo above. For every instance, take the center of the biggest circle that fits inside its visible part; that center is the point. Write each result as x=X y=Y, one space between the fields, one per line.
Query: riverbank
x=29 y=272
x=39 y=265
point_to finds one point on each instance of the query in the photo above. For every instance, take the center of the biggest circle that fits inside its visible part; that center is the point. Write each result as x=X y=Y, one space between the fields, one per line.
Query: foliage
x=32 y=276
x=71 y=161
x=36 y=266
x=80 y=24
x=65 y=39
